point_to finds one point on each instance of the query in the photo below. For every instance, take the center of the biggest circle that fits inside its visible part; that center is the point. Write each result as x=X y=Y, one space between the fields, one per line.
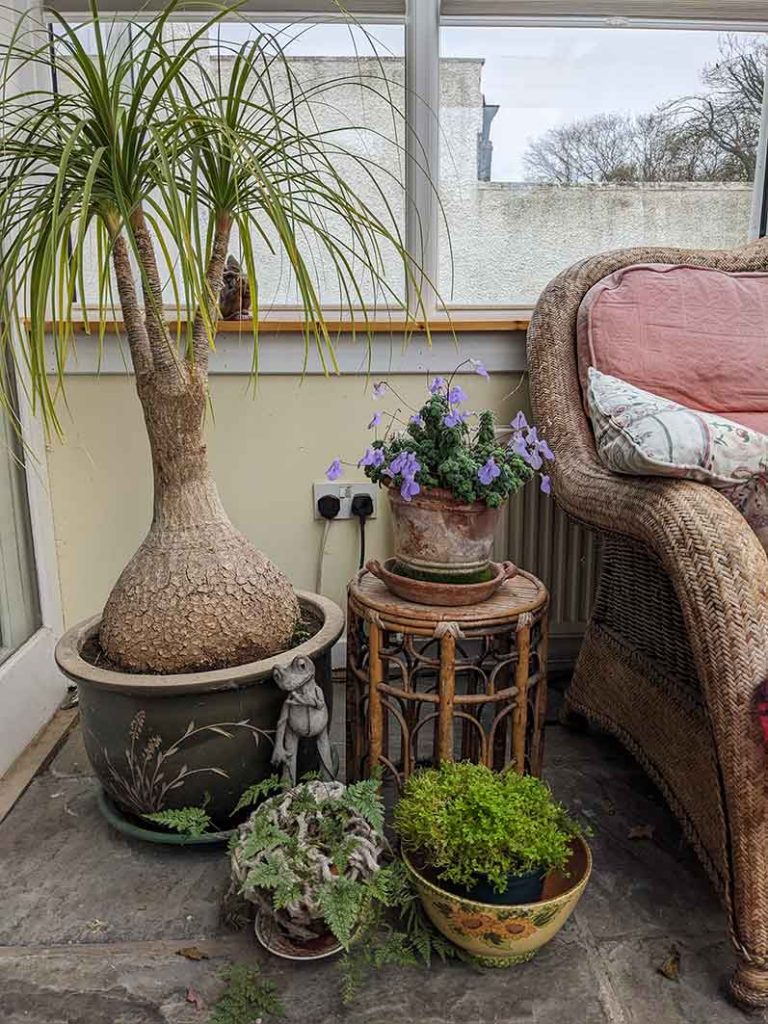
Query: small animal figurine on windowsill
x=304 y=715
x=235 y=296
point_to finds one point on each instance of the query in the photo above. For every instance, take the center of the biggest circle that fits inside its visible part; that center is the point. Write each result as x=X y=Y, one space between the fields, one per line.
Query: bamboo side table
x=474 y=677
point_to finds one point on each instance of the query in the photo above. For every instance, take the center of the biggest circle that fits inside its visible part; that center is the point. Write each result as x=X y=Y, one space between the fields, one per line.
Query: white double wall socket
x=345 y=492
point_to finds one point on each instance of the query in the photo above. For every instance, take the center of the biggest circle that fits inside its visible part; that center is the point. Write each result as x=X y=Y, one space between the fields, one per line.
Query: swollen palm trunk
x=196 y=595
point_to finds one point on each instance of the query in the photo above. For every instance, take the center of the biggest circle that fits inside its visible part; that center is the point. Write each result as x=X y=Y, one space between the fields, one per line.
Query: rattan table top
x=523 y=593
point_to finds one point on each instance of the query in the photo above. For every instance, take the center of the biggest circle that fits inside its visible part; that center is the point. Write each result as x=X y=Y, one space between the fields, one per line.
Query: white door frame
x=31 y=687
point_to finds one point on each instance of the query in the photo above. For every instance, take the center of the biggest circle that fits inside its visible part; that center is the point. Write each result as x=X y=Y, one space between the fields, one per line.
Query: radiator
x=536 y=535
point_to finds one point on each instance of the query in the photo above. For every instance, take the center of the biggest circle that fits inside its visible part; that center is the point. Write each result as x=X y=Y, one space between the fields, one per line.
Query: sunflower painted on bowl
x=502 y=935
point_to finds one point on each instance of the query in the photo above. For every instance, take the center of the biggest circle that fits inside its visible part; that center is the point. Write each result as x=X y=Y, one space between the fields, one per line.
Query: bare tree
x=708 y=137
x=599 y=148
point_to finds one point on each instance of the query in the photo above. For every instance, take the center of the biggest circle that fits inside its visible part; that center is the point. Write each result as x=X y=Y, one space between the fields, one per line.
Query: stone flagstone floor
x=90 y=922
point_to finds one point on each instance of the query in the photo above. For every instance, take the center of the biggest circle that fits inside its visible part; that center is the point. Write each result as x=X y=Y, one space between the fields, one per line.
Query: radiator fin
x=538 y=536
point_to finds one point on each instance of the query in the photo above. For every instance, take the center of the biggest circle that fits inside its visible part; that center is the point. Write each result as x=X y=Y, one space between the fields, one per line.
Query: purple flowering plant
x=444 y=445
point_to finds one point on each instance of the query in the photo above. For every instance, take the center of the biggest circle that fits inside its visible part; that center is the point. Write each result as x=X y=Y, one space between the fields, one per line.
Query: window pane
x=345 y=84
x=19 y=608
x=559 y=143
x=360 y=114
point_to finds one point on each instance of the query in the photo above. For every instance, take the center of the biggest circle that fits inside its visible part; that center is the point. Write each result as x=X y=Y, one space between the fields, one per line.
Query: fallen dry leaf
x=192 y=953
x=670 y=968
x=640 y=832
x=194 y=997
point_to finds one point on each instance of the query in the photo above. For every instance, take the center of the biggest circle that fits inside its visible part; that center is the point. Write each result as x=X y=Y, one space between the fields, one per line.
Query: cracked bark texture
x=197 y=594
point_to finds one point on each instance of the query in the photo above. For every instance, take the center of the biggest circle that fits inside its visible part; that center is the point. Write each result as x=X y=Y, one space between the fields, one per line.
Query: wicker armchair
x=678 y=640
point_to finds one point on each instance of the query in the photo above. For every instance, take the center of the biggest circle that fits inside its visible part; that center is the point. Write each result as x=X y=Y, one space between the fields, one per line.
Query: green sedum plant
x=471 y=824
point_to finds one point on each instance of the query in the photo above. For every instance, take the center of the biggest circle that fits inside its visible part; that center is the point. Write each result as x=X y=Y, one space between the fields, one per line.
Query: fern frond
x=263 y=835
x=257 y=792
x=189 y=821
x=274 y=873
x=365 y=798
x=248 y=997
x=341 y=903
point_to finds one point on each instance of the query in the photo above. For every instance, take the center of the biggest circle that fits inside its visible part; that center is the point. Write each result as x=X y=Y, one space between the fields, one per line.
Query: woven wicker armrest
x=705 y=545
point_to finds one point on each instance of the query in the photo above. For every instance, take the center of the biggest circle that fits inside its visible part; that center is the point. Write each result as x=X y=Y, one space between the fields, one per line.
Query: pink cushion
x=696 y=336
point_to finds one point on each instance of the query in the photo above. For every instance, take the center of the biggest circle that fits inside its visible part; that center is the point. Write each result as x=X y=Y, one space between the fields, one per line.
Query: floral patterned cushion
x=639 y=433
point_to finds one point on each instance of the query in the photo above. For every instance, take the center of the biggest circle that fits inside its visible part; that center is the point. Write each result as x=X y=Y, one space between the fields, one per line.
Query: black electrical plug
x=328 y=506
x=362 y=507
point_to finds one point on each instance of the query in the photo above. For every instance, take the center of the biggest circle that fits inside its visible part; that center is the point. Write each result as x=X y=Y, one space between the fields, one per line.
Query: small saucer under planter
x=501 y=935
x=158 y=742
x=444 y=594
x=279 y=943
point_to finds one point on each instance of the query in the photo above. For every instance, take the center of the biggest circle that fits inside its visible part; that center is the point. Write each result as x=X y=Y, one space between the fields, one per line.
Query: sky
x=543 y=77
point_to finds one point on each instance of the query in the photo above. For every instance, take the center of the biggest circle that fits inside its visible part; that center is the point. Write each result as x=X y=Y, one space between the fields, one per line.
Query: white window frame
x=423 y=20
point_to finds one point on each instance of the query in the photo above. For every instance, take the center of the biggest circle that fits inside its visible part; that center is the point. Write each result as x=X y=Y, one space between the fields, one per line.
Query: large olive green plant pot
x=166 y=741
x=500 y=935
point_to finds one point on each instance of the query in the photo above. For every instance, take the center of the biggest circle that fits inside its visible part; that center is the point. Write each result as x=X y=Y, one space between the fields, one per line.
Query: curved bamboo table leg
x=375 y=710
x=540 y=707
x=446 y=693
x=520 y=714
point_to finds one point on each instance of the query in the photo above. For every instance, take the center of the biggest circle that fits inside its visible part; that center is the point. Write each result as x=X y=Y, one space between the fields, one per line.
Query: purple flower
x=546 y=451
x=372 y=457
x=533 y=458
x=455 y=418
x=406 y=464
x=519 y=422
x=408 y=489
x=334 y=471
x=379 y=388
x=417 y=420
x=457 y=395
x=546 y=484
x=375 y=421
x=488 y=473
x=436 y=385
x=519 y=446
x=479 y=368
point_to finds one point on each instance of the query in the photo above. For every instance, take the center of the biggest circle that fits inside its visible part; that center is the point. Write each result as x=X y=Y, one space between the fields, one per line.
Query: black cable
x=328 y=506
x=362 y=542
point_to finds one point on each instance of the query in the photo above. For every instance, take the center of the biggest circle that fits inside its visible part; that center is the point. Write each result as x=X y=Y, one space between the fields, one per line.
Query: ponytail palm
x=145 y=161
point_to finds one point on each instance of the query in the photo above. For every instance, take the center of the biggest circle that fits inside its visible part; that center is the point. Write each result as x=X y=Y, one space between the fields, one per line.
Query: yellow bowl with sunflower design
x=502 y=935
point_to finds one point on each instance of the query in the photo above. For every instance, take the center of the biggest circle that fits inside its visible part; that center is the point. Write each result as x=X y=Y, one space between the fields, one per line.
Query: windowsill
x=479 y=320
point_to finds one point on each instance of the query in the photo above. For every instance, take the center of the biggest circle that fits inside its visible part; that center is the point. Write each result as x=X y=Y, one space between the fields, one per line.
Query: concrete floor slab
x=91 y=922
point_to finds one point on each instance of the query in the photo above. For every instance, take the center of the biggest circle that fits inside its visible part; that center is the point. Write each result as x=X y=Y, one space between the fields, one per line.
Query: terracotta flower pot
x=502 y=935
x=167 y=741
x=441 y=539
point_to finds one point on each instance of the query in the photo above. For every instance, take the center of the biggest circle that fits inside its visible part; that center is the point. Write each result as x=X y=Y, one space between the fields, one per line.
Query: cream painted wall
x=266 y=451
